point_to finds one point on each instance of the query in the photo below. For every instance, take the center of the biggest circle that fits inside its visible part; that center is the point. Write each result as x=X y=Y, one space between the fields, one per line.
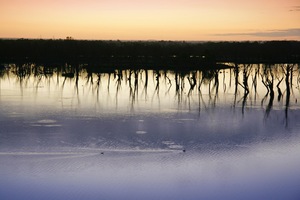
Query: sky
x=190 y=20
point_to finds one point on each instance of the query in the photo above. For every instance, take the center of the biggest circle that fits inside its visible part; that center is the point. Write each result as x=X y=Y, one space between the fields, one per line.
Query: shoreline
x=147 y=53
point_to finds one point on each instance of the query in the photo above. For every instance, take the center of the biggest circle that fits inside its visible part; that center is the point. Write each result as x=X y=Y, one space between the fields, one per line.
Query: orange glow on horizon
x=144 y=19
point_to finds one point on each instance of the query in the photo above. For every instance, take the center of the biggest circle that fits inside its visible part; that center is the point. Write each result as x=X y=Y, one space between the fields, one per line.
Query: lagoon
x=69 y=132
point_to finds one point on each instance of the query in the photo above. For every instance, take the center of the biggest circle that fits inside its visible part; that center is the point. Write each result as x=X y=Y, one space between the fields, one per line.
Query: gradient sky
x=151 y=19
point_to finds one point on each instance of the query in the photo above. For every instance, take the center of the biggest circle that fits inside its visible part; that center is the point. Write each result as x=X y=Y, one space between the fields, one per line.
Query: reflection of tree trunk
x=217 y=82
x=130 y=88
x=270 y=104
x=216 y=86
x=108 y=82
x=230 y=77
x=246 y=73
x=146 y=83
x=157 y=78
x=176 y=82
x=192 y=81
x=264 y=80
x=136 y=81
x=157 y=82
x=169 y=82
x=268 y=81
x=288 y=93
x=76 y=77
x=244 y=101
x=279 y=90
x=200 y=97
x=76 y=81
x=224 y=84
x=133 y=92
x=98 y=86
x=177 y=88
x=291 y=74
x=254 y=82
x=119 y=76
x=288 y=76
x=236 y=75
x=246 y=89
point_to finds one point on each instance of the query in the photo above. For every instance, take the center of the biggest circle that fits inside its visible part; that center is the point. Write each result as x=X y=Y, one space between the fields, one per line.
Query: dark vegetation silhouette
x=193 y=64
x=106 y=55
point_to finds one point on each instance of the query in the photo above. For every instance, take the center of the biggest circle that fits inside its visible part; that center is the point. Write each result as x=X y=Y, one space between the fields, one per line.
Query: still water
x=73 y=133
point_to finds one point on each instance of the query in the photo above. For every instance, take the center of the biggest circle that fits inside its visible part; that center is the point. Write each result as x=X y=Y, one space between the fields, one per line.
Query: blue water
x=67 y=139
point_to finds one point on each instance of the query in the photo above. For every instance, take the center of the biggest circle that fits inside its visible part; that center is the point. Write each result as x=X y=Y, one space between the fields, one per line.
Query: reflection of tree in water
x=210 y=78
x=244 y=81
x=270 y=76
x=279 y=77
x=23 y=73
x=246 y=73
x=192 y=81
x=254 y=80
x=133 y=91
x=236 y=83
x=3 y=71
x=267 y=78
x=179 y=85
x=156 y=77
x=288 y=71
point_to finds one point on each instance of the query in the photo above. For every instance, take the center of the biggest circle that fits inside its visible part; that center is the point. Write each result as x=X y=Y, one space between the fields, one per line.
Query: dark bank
x=148 y=54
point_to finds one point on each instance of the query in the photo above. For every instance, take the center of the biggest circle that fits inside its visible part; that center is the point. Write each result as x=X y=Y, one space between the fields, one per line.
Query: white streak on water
x=88 y=151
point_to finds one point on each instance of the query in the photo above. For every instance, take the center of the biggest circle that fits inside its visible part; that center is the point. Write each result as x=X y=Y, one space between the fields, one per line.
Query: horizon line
x=146 y=40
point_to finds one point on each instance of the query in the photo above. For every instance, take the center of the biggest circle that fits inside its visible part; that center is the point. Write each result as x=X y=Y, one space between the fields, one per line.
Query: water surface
x=71 y=133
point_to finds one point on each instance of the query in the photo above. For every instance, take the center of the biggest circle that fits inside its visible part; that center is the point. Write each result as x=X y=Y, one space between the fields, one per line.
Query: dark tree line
x=148 y=53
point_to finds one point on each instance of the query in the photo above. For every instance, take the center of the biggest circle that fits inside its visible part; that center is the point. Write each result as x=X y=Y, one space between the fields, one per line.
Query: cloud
x=295 y=9
x=270 y=33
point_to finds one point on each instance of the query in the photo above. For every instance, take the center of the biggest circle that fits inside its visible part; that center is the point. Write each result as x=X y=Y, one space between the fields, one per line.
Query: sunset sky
x=195 y=20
